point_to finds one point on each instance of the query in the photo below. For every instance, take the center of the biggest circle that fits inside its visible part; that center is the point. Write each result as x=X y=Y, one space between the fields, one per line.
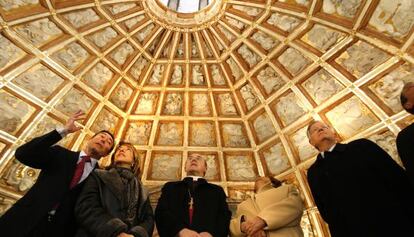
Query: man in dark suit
x=192 y=207
x=47 y=208
x=405 y=139
x=358 y=188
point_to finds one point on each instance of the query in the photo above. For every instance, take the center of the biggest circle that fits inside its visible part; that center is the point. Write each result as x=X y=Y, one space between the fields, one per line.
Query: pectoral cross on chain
x=190 y=209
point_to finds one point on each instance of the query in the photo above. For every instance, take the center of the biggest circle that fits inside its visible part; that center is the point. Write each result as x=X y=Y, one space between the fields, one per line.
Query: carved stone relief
x=270 y=80
x=106 y=120
x=301 y=144
x=197 y=77
x=82 y=17
x=248 y=55
x=293 y=61
x=289 y=109
x=13 y=112
x=394 y=18
x=321 y=86
x=138 y=133
x=46 y=125
x=157 y=74
x=346 y=8
x=202 y=134
x=284 y=22
x=265 y=40
x=276 y=159
x=200 y=104
x=121 y=54
x=103 y=37
x=173 y=104
x=230 y=37
x=322 y=38
x=194 y=49
x=9 y=53
x=238 y=24
x=39 y=32
x=5 y=204
x=146 y=103
x=71 y=56
x=98 y=77
x=166 y=166
x=20 y=177
x=138 y=67
x=121 y=95
x=299 y=2
x=233 y=135
x=74 y=101
x=130 y=23
x=177 y=75
x=351 y=117
x=387 y=141
x=226 y=105
x=39 y=80
x=217 y=75
x=388 y=88
x=121 y=7
x=251 y=11
x=235 y=69
x=361 y=58
x=142 y=34
x=10 y=5
x=180 y=50
x=263 y=127
x=170 y=134
x=240 y=168
x=249 y=96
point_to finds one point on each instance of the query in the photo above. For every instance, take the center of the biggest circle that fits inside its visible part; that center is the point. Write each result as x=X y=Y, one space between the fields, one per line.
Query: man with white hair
x=192 y=207
x=358 y=188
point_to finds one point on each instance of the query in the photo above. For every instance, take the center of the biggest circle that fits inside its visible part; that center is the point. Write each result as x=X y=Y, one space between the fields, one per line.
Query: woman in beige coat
x=274 y=210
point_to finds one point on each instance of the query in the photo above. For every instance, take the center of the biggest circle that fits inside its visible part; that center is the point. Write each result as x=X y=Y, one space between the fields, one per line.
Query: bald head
x=196 y=165
x=407 y=97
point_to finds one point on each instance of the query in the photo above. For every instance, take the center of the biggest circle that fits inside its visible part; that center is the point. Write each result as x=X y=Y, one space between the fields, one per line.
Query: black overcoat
x=405 y=145
x=361 y=191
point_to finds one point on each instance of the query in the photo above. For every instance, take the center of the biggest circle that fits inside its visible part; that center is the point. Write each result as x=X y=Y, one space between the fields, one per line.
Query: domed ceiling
x=237 y=82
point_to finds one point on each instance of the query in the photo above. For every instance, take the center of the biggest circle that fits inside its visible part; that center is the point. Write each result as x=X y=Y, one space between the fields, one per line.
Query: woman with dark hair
x=114 y=203
x=275 y=210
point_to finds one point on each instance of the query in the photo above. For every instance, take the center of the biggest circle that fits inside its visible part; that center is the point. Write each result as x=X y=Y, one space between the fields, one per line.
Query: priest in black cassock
x=359 y=190
x=192 y=207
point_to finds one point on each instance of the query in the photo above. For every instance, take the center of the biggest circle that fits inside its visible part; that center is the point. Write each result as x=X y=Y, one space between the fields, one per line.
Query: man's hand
x=254 y=225
x=205 y=234
x=188 y=233
x=125 y=235
x=70 y=126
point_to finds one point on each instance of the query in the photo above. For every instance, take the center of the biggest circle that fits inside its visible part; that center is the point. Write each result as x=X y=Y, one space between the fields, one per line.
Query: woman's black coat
x=100 y=212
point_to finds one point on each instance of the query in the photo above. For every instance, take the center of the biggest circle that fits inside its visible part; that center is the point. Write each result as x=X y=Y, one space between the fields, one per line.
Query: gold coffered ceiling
x=237 y=81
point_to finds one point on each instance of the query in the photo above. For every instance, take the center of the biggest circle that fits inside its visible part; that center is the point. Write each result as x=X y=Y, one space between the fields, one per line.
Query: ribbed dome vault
x=237 y=82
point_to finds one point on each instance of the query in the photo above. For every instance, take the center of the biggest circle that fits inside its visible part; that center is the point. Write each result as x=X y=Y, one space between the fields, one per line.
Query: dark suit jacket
x=360 y=191
x=211 y=213
x=405 y=145
x=57 y=166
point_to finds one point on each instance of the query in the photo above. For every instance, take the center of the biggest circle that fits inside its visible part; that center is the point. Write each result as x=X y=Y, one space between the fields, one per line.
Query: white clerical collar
x=330 y=149
x=195 y=178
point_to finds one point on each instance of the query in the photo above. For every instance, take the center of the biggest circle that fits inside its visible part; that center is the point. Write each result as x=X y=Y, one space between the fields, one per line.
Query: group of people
x=358 y=188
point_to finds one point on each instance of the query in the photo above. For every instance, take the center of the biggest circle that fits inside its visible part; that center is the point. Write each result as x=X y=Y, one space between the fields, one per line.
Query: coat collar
x=113 y=182
x=339 y=147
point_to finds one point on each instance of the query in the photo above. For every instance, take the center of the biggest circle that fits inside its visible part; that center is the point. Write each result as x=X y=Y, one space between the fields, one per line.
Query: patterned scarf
x=131 y=190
